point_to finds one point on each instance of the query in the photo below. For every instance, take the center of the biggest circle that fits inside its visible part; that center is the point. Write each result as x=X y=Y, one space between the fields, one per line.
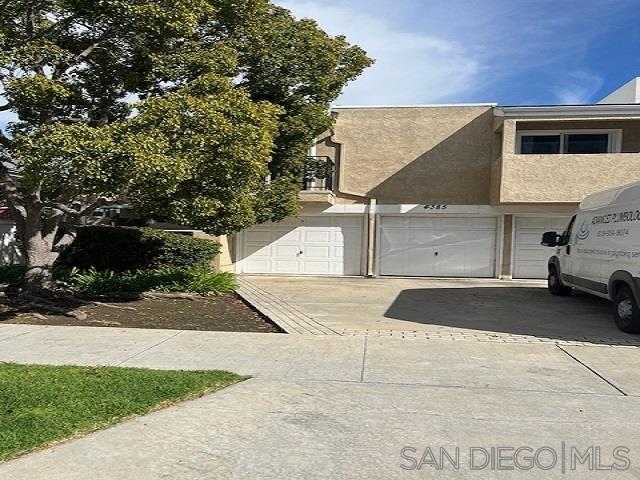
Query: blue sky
x=513 y=52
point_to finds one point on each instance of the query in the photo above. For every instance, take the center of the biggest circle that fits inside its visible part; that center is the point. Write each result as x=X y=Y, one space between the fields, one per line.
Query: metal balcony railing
x=318 y=173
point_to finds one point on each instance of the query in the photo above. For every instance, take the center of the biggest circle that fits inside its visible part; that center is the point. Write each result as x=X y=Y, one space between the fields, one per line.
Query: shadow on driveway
x=512 y=310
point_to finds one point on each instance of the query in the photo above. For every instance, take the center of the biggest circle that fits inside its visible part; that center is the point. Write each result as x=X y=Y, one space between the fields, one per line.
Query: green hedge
x=11 y=273
x=121 y=249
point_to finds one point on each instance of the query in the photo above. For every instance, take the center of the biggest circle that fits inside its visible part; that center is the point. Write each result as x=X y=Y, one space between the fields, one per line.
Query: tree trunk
x=39 y=259
x=38 y=253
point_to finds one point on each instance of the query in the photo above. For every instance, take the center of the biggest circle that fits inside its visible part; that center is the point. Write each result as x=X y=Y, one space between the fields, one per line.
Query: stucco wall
x=564 y=178
x=414 y=155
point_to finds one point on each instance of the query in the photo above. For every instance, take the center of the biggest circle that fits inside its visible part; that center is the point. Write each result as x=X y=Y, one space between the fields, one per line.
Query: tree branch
x=4 y=140
x=101 y=201
x=29 y=22
x=86 y=52
x=67 y=210
x=10 y=190
x=85 y=210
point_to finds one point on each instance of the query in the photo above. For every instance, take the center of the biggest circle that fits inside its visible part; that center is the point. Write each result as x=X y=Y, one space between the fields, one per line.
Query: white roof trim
x=435 y=105
x=573 y=111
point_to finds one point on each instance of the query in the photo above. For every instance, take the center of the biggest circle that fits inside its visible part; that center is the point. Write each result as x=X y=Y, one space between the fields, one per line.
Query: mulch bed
x=223 y=314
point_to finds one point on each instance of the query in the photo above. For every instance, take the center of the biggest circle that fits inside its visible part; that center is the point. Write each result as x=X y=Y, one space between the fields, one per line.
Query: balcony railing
x=318 y=174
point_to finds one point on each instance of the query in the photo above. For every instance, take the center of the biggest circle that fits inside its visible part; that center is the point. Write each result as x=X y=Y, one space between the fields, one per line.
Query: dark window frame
x=614 y=140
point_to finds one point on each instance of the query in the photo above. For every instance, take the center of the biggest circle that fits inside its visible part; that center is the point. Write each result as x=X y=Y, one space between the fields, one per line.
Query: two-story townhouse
x=447 y=190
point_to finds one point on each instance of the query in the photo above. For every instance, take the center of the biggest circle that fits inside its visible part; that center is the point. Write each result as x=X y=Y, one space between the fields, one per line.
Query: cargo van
x=599 y=253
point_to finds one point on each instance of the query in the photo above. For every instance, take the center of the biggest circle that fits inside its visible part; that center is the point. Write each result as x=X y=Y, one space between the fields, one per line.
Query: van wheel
x=626 y=312
x=555 y=285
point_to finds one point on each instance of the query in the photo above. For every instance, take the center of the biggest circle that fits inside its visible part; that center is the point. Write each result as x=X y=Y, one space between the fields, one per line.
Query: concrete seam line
x=462 y=387
x=364 y=358
x=610 y=383
x=149 y=348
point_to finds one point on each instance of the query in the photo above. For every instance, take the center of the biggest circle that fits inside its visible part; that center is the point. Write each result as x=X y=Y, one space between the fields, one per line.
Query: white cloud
x=465 y=50
x=578 y=88
x=410 y=67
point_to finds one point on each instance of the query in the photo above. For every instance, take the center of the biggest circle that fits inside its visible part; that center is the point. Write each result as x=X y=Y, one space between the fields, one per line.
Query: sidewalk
x=336 y=407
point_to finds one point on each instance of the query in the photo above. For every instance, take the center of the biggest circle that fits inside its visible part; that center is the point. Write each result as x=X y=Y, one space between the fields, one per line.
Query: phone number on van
x=620 y=232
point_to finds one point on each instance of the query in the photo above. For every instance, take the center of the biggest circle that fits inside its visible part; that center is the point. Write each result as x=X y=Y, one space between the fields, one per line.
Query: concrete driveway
x=448 y=308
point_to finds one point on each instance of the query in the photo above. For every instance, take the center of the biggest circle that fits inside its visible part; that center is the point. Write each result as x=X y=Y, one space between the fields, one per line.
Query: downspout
x=371 y=238
x=371 y=208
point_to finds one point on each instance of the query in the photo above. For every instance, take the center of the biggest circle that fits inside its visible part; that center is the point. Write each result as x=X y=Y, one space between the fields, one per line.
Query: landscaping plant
x=200 y=280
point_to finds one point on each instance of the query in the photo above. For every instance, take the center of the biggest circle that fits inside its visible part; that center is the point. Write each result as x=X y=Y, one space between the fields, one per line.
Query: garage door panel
x=317 y=268
x=482 y=223
x=530 y=258
x=318 y=236
x=261 y=236
x=418 y=262
x=258 y=251
x=348 y=222
x=453 y=224
x=395 y=222
x=311 y=251
x=422 y=223
x=287 y=236
x=532 y=222
x=438 y=246
x=558 y=224
x=309 y=245
x=285 y=250
x=285 y=266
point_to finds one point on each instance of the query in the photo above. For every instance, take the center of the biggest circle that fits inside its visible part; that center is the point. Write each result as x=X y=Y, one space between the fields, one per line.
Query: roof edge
x=433 y=105
x=568 y=110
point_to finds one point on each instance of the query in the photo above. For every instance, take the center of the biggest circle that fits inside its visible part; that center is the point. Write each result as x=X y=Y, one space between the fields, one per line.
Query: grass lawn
x=42 y=404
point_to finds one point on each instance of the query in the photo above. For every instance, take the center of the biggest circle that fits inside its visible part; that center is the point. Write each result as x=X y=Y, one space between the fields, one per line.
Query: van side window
x=566 y=235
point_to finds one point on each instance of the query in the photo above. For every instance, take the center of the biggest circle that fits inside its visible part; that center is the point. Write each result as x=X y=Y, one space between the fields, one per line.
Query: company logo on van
x=583 y=232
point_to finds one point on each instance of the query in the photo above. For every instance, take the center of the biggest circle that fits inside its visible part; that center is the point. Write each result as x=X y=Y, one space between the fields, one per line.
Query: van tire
x=555 y=284
x=626 y=311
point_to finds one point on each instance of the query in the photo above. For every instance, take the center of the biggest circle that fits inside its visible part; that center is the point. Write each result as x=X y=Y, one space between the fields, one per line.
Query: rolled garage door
x=438 y=246
x=530 y=258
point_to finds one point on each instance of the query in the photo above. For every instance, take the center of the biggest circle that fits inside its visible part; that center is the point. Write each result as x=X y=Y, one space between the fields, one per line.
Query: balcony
x=560 y=178
x=318 y=180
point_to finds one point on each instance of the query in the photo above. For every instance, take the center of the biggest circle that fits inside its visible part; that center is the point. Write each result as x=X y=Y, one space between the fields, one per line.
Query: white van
x=599 y=253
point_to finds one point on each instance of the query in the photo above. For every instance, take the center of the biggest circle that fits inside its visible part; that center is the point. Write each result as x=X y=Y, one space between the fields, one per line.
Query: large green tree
x=181 y=108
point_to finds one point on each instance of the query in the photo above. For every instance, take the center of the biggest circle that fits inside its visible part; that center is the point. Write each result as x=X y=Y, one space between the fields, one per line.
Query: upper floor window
x=575 y=141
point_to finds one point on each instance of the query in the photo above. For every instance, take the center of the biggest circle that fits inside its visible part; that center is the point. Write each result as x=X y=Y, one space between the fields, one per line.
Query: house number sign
x=436 y=207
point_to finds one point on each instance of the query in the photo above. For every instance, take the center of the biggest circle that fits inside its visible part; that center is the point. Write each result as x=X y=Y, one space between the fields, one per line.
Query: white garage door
x=323 y=245
x=530 y=258
x=438 y=246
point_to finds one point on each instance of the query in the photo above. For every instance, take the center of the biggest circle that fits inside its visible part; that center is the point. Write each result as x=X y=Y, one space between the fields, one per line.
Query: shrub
x=11 y=273
x=121 y=249
x=167 y=279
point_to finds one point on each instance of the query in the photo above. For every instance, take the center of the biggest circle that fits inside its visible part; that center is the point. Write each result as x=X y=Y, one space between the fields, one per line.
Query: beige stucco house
x=447 y=190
